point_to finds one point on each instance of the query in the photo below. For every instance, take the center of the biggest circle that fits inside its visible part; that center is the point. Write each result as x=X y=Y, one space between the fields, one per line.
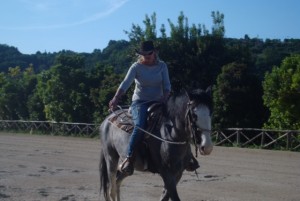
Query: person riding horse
x=152 y=84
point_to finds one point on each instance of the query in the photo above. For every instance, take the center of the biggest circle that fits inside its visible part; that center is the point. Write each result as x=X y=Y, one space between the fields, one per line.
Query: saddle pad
x=122 y=120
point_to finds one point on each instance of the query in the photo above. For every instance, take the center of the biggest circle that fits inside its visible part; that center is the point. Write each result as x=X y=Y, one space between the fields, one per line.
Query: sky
x=86 y=25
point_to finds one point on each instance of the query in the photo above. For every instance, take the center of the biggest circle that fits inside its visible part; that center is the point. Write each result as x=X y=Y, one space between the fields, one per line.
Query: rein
x=161 y=139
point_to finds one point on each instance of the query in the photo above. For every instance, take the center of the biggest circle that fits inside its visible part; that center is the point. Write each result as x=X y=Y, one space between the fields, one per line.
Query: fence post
x=289 y=140
x=238 y=138
x=262 y=142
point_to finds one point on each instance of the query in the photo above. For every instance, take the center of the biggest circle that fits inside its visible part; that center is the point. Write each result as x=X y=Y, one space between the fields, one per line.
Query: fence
x=49 y=127
x=261 y=138
x=241 y=137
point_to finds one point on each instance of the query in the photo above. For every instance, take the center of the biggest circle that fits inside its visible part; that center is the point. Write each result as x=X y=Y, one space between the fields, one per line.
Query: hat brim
x=143 y=52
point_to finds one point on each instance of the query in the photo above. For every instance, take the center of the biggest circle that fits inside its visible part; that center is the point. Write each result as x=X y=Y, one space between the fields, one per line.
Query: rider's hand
x=113 y=103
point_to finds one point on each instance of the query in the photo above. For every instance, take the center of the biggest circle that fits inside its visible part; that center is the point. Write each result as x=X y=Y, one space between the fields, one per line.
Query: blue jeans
x=139 y=116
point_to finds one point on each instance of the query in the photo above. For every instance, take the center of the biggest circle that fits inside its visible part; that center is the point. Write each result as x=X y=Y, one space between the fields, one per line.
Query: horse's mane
x=202 y=97
x=177 y=103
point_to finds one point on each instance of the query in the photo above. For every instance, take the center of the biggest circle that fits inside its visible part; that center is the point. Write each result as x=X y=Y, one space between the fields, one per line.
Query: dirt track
x=51 y=168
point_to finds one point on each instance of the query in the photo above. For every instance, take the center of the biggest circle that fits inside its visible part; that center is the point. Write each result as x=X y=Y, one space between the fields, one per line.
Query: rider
x=152 y=84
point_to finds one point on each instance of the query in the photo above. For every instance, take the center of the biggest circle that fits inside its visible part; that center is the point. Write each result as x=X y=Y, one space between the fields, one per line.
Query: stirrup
x=126 y=167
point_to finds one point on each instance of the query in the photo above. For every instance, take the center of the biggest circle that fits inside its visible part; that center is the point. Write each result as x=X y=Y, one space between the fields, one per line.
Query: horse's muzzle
x=205 y=150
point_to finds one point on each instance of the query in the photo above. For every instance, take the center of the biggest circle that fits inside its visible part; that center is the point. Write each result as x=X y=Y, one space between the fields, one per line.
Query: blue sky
x=85 y=25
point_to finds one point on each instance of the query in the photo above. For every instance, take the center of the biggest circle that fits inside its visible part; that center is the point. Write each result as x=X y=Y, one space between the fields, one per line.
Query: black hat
x=145 y=48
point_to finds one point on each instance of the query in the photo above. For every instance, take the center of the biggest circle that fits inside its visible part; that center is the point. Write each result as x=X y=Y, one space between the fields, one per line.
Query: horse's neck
x=176 y=110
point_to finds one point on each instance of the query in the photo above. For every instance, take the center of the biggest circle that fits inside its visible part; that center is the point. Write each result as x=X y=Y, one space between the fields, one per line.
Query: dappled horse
x=186 y=118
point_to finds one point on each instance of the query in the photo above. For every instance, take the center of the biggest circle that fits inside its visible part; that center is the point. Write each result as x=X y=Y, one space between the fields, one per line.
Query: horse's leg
x=170 y=190
x=116 y=178
x=114 y=189
x=113 y=186
x=165 y=195
x=120 y=177
x=108 y=173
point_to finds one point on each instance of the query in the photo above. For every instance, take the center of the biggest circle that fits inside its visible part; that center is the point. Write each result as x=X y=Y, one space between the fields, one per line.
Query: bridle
x=191 y=119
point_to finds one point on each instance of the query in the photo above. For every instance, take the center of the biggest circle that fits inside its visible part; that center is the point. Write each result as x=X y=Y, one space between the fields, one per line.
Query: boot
x=126 y=167
x=192 y=164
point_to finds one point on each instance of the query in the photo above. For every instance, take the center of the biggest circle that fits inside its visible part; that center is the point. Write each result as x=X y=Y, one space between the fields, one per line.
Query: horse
x=186 y=119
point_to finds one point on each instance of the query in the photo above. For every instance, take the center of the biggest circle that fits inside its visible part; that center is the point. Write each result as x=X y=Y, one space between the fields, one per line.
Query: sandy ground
x=39 y=168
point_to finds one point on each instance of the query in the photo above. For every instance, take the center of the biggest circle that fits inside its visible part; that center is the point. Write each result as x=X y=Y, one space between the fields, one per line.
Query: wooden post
x=238 y=138
x=262 y=142
x=289 y=140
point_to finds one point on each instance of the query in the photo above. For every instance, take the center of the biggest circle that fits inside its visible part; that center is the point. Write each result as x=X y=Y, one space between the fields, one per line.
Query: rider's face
x=149 y=57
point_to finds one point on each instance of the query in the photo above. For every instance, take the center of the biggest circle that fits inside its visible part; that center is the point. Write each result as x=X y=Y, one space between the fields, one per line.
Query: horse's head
x=199 y=119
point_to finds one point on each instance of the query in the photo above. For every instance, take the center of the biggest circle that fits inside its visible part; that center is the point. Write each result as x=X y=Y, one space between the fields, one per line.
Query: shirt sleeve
x=166 y=78
x=129 y=78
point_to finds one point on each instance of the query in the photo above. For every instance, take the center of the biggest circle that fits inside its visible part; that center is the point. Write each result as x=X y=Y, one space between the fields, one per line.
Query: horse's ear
x=209 y=90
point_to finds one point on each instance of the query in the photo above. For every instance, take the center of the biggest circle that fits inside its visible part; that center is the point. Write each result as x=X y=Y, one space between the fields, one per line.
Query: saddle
x=123 y=118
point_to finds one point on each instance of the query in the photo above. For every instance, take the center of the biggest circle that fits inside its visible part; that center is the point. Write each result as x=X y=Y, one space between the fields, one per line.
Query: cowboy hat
x=146 y=48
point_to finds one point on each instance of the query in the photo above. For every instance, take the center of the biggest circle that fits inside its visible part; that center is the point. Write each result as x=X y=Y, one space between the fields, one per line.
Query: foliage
x=15 y=87
x=117 y=54
x=282 y=94
x=103 y=89
x=237 y=98
x=63 y=90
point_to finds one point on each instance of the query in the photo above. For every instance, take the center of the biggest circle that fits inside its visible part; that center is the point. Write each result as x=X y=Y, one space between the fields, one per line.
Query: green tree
x=237 y=98
x=64 y=90
x=116 y=54
x=15 y=87
x=194 y=56
x=218 y=24
x=282 y=94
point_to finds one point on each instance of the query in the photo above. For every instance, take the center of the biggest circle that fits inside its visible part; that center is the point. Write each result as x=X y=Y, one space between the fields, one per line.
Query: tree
x=64 y=90
x=105 y=83
x=116 y=54
x=15 y=88
x=237 y=98
x=194 y=56
x=282 y=94
x=218 y=21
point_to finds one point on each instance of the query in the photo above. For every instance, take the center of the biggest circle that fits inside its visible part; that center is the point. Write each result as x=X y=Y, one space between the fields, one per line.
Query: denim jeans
x=139 y=116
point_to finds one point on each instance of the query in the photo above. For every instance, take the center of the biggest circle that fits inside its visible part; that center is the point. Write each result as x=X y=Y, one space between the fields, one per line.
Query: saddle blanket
x=122 y=119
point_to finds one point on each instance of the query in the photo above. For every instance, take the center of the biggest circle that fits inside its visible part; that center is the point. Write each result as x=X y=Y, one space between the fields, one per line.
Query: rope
x=161 y=139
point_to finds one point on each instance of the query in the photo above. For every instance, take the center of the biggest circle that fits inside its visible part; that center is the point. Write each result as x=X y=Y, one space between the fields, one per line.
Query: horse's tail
x=103 y=175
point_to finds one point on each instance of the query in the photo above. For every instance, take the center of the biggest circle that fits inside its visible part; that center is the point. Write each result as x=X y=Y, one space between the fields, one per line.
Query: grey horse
x=186 y=119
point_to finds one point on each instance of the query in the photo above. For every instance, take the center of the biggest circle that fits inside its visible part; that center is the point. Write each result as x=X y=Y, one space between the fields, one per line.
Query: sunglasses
x=148 y=54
